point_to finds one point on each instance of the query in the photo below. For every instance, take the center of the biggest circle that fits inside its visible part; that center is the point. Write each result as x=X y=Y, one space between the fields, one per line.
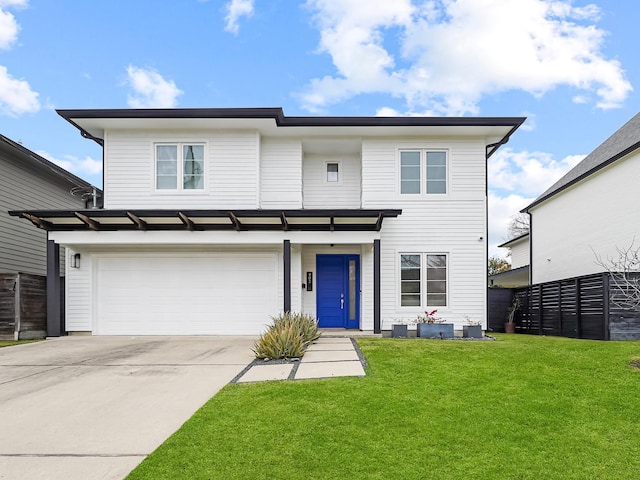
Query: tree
x=519 y=225
x=498 y=265
x=624 y=274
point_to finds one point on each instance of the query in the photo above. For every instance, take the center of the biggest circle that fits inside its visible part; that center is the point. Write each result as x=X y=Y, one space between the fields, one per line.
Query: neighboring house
x=216 y=219
x=519 y=273
x=29 y=181
x=592 y=210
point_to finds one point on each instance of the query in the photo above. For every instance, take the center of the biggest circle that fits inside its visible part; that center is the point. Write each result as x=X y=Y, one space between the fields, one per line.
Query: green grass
x=522 y=407
x=10 y=343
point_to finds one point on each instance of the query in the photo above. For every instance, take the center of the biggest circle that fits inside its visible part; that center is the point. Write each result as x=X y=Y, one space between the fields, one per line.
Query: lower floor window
x=423 y=280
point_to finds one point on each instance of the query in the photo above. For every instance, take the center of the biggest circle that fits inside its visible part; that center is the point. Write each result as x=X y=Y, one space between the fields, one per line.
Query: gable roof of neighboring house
x=623 y=142
x=272 y=121
x=40 y=164
x=513 y=241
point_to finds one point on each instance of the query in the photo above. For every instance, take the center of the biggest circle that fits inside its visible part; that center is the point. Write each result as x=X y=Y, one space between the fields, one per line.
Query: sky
x=570 y=67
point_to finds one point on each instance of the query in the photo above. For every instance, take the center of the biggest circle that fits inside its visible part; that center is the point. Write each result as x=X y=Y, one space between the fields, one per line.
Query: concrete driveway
x=94 y=407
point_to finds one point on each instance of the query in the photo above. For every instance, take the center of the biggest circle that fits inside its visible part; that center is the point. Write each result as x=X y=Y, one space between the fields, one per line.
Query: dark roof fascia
x=578 y=179
x=506 y=244
x=45 y=165
x=281 y=120
x=493 y=148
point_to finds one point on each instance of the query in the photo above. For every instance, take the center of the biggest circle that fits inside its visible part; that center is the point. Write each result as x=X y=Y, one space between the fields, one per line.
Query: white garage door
x=164 y=294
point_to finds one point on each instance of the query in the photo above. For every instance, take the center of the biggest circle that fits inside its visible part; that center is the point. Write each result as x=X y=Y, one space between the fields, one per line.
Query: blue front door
x=338 y=291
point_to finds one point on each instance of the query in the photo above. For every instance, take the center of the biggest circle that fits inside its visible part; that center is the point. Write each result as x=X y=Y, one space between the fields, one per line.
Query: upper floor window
x=423 y=171
x=179 y=161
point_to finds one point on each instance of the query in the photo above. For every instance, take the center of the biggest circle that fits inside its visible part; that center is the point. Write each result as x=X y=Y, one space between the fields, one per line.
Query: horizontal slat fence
x=575 y=307
x=588 y=307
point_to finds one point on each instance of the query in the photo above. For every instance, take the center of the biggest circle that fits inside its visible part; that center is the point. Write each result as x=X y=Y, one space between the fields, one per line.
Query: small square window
x=332 y=172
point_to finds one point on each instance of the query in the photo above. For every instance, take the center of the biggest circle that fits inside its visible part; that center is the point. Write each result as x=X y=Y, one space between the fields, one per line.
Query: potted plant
x=399 y=329
x=430 y=326
x=510 y=325
x=473 y=329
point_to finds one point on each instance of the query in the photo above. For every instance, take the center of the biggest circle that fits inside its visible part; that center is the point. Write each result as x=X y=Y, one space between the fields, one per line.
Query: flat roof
x=273 y=122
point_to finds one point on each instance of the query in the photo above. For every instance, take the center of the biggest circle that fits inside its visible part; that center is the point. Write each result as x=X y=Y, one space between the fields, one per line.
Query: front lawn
x=522 y=407
x=10 y=343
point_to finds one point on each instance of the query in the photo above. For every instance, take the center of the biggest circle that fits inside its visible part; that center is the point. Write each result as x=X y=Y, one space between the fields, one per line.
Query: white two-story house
x=216 y=219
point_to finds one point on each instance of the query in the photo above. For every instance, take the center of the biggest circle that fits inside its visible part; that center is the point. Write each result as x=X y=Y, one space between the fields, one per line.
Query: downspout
x=94 y=193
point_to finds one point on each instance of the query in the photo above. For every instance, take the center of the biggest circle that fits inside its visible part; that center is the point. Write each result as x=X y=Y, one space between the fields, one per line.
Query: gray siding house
x=28 y=180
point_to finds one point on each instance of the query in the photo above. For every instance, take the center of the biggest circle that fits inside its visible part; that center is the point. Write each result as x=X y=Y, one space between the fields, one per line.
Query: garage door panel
x=231 y=293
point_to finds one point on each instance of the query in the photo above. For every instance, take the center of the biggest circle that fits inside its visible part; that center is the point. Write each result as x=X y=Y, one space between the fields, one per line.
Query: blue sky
x=571 y=67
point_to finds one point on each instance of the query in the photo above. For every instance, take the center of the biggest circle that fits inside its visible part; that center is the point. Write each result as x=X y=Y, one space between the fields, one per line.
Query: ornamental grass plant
x=287 y=337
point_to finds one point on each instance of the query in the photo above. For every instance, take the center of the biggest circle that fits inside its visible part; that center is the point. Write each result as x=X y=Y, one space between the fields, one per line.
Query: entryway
x=338 y=290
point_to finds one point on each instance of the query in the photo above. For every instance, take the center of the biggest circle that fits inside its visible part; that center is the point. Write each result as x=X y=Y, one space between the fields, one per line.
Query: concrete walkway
x=328 y=357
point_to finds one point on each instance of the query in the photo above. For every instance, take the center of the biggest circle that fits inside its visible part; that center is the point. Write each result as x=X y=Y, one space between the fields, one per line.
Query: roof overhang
x=315 y=220
x=515 y=241
x=93 y=123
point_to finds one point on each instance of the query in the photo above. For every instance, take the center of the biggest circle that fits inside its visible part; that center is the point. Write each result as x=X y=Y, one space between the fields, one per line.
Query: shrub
x=287 y=337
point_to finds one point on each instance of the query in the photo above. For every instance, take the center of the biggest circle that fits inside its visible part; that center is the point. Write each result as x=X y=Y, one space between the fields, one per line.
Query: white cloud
x=16 y=96
x=150 y=89
x=8 y=26
x=75 y=165
x=8 y=30
x=236 y=9
x=501 y=209
x=530 y=173
x=455 y=52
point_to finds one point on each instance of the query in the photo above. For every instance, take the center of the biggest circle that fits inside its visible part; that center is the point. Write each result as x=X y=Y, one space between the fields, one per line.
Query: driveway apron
x=88 y=408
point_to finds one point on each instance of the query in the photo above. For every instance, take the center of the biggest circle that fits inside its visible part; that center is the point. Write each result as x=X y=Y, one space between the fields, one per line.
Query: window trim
x=180 y=167
x=423 y=172
x=423 y=280
x=326 y=172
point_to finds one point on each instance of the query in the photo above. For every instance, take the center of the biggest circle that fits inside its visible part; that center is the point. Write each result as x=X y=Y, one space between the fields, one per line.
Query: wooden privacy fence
x=23 y=306
x=579 y=307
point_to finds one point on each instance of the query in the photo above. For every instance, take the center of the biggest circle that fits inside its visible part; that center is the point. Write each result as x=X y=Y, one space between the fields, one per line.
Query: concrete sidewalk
x=328 y=357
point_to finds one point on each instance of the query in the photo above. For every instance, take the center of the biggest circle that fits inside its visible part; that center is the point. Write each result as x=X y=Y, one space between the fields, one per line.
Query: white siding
x=78 y=291
x=596 y=215
x=281 y=174
x=520 y=253
x=318 y=193
x=454 y=224
x=231 y=170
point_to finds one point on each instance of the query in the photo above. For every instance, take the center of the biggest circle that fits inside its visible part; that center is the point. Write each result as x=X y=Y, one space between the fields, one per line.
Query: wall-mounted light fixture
x=75 y=260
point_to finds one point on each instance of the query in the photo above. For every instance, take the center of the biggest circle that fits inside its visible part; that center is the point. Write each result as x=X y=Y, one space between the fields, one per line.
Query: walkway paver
x=326 y=358
x=262 y=373
x=330 y=369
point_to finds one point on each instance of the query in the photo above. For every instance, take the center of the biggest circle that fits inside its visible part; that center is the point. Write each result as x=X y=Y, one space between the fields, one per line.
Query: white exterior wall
x=281 y=173
x=453 y=224
x=78 y=292
x=597 y=214
x=231 y=170
x=520 y=253
x=318 y=193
